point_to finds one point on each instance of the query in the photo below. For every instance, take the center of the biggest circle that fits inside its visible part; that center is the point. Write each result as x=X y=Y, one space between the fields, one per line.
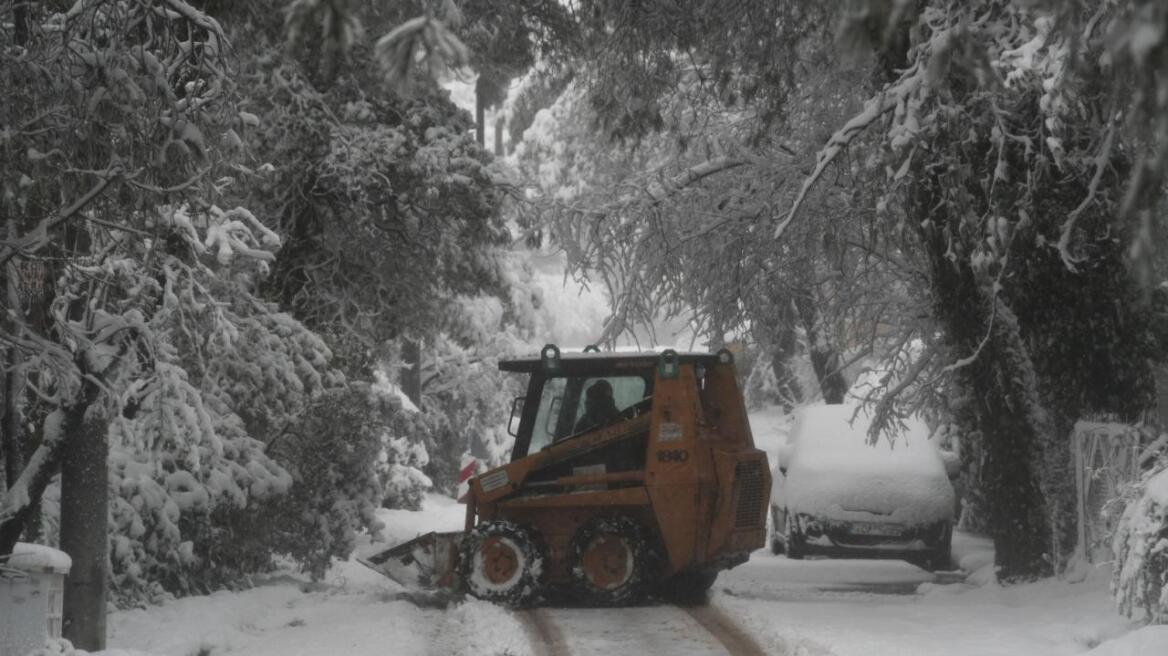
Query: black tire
x=502 y=562
x=794 y=541
x=689 y=588
x=940 y=557
x=611 y=561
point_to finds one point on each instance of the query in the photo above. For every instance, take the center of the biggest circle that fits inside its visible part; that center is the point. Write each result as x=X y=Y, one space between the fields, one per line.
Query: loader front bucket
x=428 y=561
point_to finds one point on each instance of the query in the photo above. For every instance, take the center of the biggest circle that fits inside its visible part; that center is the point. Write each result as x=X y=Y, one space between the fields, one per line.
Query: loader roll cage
x=553 y=403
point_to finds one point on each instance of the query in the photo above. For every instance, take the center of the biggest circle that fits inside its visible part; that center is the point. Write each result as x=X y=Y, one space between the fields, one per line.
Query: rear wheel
x=611 y=559
x=502 y=562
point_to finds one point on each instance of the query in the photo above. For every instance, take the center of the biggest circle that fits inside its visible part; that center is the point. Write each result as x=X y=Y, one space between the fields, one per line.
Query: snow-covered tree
x=1140 y=545
x=991 y=174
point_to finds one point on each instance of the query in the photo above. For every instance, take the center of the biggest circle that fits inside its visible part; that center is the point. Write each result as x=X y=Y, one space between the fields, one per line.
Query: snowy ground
x=813 y=607
x=793 y=608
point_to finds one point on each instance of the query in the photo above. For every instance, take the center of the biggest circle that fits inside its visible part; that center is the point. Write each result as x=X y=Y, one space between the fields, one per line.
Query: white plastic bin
x=32 y=584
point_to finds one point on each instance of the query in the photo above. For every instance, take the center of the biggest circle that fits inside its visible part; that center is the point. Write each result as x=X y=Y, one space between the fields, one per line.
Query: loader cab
x=558 y=405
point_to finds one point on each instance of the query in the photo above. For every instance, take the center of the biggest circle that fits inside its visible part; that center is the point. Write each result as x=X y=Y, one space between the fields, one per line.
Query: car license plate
x=875 y=528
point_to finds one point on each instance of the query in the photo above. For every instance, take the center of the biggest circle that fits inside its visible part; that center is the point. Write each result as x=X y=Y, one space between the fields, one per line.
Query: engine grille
x=748 y=481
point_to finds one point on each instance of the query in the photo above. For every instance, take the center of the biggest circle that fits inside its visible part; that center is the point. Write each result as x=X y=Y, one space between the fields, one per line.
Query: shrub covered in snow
x=218 y=371
x=400 y=470
x=1141 y=547
x=333 y=455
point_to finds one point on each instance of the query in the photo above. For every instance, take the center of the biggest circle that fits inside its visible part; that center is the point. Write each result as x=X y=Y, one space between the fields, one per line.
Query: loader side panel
x=725 y=408
x=739 y=525
x=679 y=472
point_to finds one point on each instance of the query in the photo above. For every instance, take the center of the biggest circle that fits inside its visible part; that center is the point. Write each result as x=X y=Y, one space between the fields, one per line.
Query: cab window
x=565 y=401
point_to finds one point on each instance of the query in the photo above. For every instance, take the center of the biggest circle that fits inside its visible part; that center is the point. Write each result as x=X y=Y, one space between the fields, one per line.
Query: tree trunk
x=20 y=21
x=499 y=126
x=10 y=443
x=84 y=530
x=411 y=376
x=480 y=116
x=785 y=344
x=999 y=399
x=825 y=358
x=11 y=450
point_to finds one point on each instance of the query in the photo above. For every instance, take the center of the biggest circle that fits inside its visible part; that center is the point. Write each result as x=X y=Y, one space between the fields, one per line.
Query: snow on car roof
x=835 y=472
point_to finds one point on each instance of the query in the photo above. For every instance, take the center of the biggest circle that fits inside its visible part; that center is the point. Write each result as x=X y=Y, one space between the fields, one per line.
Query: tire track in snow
x=732 y=636
x=663 y=630
x=546 y=638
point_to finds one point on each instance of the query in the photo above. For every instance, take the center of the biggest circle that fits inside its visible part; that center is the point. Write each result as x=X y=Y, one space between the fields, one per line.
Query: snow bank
x=835 y=473
x=480 y=628
x=1141 y=642
x=63 y=647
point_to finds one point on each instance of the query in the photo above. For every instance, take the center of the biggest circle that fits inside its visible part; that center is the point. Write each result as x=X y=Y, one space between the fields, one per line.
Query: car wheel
x=794 y=541
x=502 y=562
x=940 y=557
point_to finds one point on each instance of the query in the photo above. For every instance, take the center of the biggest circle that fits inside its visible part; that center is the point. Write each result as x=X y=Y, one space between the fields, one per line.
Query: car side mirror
x=952 y=463
x=516 y=416
x=785 y=457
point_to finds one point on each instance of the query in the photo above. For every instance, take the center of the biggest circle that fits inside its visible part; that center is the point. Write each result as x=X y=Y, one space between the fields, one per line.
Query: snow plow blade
x=426 y=562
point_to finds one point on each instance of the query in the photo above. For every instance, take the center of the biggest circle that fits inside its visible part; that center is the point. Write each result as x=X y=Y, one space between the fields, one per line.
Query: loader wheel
x=502 y=562
x=611 y=559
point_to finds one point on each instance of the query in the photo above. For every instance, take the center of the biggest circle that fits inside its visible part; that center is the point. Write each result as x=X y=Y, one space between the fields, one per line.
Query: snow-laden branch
x=660 y=191
x=38 y=237
x=20 y=500
x=883 y=412
x=876 y=107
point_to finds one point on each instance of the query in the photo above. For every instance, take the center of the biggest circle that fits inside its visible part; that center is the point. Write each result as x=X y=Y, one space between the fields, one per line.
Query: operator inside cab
x=599 y=407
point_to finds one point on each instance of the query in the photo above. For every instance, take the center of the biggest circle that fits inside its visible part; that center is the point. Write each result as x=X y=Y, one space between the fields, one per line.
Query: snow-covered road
x=773 y=605
x=788 y=608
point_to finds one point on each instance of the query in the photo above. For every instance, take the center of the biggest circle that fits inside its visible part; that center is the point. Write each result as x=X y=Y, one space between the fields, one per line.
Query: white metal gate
x=1107 y=455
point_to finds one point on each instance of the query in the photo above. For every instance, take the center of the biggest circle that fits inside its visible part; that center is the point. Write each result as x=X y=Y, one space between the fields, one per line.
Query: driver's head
x=598 y=396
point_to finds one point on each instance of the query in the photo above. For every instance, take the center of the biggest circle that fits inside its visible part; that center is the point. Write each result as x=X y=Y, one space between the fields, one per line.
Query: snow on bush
x=400 y=466
x=333 y=454
x=217 y=372
x=1140 y=546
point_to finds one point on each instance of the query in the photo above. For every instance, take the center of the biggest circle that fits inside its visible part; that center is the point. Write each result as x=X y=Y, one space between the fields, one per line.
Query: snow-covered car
x=837 y=495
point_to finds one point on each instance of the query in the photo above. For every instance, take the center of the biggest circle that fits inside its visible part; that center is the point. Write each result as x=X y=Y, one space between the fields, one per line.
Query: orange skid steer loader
x=631 y=474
